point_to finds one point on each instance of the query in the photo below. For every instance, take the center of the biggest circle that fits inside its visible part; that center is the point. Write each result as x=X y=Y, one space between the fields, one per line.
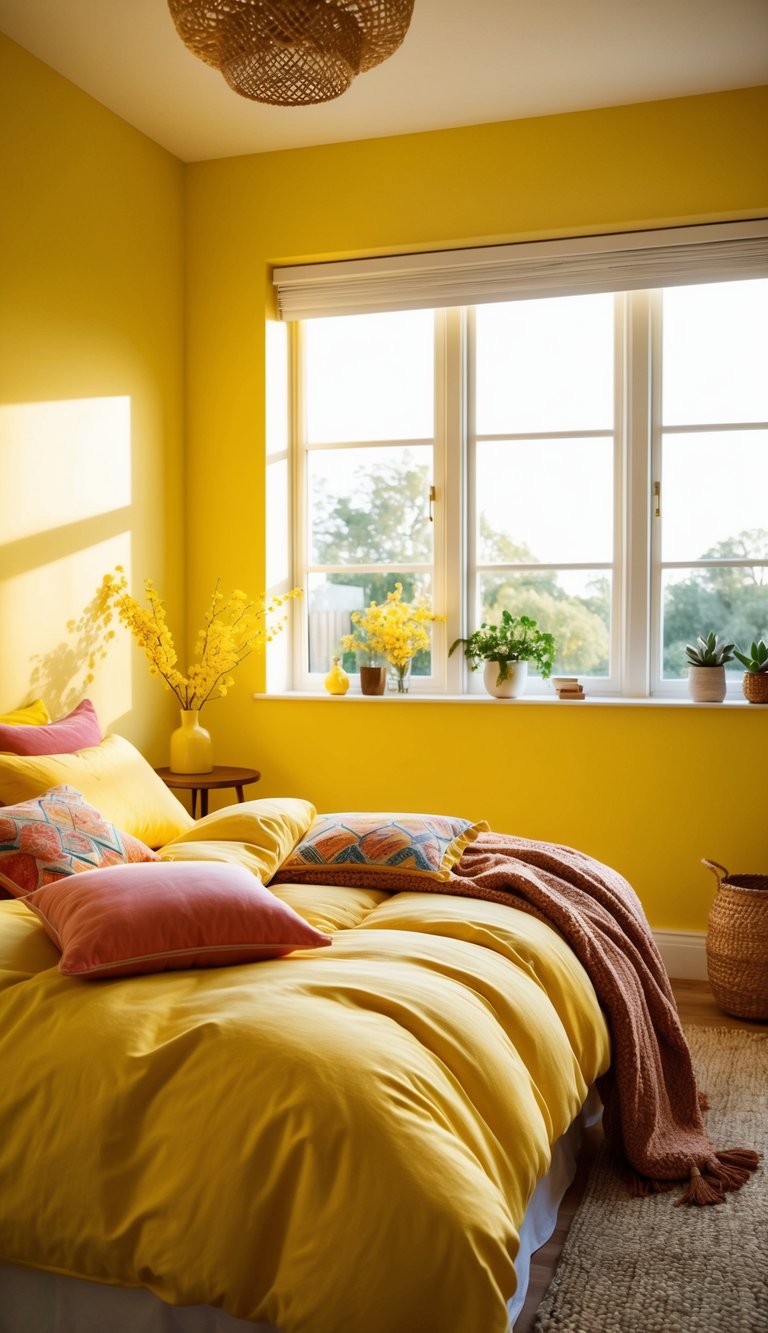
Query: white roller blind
x=624 y=261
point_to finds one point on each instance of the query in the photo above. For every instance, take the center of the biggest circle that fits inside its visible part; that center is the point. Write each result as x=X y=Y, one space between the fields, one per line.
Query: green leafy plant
x=756 y=661
x=709 y=652
x=514 y=639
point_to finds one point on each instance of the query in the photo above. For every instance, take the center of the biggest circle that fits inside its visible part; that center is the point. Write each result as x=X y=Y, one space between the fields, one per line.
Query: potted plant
x=506 y=649
x=395 y=630
x=706 y=668
x=755 y=663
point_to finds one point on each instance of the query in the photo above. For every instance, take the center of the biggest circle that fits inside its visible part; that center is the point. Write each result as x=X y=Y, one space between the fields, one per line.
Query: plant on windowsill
x=506 y=649
x=706 y=668
x=395 y=630
x=755 y=681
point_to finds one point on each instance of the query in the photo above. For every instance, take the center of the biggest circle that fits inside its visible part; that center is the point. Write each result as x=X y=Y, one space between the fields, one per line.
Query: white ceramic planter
x=706 y=684
x=512 y=687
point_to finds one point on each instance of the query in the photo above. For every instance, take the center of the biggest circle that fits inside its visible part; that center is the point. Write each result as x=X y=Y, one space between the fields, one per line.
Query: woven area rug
x=645 y=1266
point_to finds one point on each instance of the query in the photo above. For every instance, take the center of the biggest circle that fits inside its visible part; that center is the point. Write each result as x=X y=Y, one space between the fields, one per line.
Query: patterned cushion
x=386 y=851
x=157 y=918
x=55 y=835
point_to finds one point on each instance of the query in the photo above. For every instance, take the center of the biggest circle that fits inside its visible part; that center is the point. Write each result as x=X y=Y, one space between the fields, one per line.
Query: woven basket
x=737 y=943
x=755 y=686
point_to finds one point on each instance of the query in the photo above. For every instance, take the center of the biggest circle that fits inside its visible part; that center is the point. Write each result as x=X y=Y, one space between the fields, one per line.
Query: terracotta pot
x=373 y=679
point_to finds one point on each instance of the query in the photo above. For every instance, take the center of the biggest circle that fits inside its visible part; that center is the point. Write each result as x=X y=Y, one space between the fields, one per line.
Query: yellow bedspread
x=338 y=1141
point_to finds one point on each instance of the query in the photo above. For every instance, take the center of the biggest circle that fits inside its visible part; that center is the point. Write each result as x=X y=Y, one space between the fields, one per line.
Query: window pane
x=549 y=500
x=332 y=599
x=370 y=377
x=714 y=495
x=574 y=606
x=715 y=353
x=545 y=365
x=732 y=602
x=370 y=506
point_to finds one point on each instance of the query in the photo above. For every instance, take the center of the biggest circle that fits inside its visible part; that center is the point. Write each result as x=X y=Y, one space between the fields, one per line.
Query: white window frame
x=701 y=254
x=303 y=679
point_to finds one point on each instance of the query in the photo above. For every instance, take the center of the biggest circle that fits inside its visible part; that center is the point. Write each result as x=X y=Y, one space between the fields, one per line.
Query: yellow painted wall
x=649 y=789
x=94 y=331
x=91 y=388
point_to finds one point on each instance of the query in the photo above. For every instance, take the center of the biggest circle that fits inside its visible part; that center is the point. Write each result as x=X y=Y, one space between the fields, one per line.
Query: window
x=599 y=462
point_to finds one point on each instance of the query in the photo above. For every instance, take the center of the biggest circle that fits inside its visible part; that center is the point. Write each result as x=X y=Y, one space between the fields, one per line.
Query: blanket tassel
x=733 y=1167
x=700 y=1192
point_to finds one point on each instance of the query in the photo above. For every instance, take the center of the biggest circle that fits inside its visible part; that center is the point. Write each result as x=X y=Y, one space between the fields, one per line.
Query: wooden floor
x=696 y=1005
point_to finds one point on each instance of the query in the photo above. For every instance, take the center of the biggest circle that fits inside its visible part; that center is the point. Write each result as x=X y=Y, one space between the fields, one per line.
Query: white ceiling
x=463 y=62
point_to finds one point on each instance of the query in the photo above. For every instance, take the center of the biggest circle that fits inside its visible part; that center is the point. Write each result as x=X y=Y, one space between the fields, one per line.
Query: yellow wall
x=95 y=342
x=91 y=388
x=649 y=789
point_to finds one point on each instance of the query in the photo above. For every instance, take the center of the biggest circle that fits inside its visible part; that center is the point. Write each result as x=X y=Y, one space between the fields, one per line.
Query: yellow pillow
x=256 y=834
x=33 y=715
x=113 y=776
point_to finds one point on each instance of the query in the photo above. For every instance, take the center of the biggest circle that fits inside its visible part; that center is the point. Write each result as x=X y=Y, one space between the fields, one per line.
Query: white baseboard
x=684 y=953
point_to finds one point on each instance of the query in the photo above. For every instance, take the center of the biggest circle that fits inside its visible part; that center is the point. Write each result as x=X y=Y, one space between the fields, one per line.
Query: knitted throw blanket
x=652 y=1115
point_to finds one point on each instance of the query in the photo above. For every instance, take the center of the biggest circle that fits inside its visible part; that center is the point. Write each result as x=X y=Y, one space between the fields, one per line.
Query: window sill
x=545 y=701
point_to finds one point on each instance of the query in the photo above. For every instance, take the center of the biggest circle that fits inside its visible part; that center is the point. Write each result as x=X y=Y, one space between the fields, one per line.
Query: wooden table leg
x=203 y=802
x=239 y=790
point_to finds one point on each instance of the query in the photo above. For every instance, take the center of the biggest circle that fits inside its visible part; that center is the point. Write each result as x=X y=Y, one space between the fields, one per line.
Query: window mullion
x=450 y=474
x=637 y=419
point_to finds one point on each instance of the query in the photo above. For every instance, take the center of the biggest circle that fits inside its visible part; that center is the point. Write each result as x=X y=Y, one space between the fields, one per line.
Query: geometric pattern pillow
x=55 y=835
x=386 y=851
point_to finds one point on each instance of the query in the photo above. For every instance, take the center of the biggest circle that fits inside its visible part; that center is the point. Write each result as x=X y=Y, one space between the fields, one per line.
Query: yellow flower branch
x=233 y=628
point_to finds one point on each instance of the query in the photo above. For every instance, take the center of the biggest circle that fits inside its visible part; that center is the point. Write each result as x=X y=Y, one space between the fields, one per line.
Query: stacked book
x=568 y=687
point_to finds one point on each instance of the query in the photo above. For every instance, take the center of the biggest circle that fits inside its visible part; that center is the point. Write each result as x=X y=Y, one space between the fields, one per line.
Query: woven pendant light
x=291 y=52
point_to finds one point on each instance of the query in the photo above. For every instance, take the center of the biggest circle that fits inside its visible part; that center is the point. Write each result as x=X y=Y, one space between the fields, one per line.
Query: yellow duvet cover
x=339 y=1141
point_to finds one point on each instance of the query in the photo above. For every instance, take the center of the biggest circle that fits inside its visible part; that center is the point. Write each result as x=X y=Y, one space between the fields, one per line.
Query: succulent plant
x=756 y=660
x=709 y=652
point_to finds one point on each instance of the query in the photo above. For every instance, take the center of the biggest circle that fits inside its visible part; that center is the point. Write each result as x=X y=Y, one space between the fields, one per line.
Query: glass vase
x=191 y=746
x=399 y=677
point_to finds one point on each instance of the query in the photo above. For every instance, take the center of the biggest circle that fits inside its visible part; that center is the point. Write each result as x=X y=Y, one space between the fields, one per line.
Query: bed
x=349 y=1129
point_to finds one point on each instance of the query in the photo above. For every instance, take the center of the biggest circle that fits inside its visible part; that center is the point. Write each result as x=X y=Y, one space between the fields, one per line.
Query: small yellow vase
x=191 y=747
x=337 y=680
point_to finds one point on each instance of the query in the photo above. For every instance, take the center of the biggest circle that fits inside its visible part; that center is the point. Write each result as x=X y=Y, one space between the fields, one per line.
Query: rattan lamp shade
x=291 y=52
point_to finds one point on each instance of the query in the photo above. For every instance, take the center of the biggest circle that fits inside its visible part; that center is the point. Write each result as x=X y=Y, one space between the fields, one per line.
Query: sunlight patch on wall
x=55 y=641
x=62 y=462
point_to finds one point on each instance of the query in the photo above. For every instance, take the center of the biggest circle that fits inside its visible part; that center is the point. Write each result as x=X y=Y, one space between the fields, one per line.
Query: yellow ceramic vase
x=337 y=680
x=191 y=747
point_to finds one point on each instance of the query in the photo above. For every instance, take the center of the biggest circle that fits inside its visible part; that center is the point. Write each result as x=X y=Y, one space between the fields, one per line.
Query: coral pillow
x=32 y=715
x=57 y=835
x=73 y=732
x=384 y=851
x=162 y=917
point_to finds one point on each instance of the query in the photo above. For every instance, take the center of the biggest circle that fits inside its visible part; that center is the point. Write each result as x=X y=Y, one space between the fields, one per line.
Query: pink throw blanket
x=652 y=1114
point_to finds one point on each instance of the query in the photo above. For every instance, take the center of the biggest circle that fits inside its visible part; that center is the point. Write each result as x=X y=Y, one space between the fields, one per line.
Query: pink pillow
x=56 y=835
x=155 y=918
x=77 y=730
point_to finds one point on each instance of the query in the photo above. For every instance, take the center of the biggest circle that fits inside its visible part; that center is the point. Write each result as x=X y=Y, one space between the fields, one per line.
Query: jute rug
x=645 y=1266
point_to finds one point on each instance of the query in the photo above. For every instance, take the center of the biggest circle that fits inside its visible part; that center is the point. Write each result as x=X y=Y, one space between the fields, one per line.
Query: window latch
x=657 y=495
x=432 y=498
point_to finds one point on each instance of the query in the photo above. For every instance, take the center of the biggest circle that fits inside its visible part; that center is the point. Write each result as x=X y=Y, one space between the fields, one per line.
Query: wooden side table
x=202 y=783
